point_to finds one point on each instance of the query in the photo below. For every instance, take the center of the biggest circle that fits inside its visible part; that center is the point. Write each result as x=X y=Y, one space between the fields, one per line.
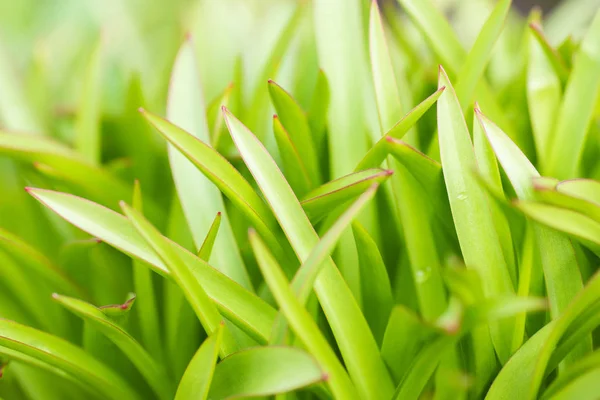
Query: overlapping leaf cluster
x=419 y=218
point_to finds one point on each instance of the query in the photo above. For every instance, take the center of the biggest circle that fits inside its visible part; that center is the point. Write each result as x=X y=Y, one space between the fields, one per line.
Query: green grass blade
x=203 y=306
x=375 y=282
x=560 y=199
x=474 y=65
x=301 y=322
x=544 y=94
x=470 y=210
x=200 y=200
x=488 y=168
x=555 y=59
x=379 y=151
x=241 y=307
x=386 y=89
x=153 y=372
x=317 y=115
x=321 y=201
x=264 y=371
x=561 y=270
x=147 y=305
x=305 y=277
x=198 y=376
x=577 y=108
x=209 y=241
x=64 y=356
x=351 y=332
x=292 y=163
x=88 y=140
x=214 y=118
x=585 y=189
x=294 y=121
x=575 y=378
x=221 y=173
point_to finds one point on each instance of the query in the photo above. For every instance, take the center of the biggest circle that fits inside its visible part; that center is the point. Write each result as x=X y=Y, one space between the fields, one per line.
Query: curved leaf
x=264 y=371
x=585 y=189
x=292 y=162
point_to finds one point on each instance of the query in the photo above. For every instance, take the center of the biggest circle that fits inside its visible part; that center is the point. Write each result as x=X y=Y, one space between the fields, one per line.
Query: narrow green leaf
x=203 y=306
x=293 y=165
x=294 y=120
x=209 y=241
x=305 y=277
x=222 y=174
x=201 y=200
x=264 y=371
x=585 y=189
x=577 y=108
x=301 y=322
x=474 y=65
x=60 y=354
x=88 y=116
x=198 y=376
x=153 y=372
x=576 y=381
x=379 y=151
x=317 y=115
x=386 y=89
x=561 y=270
x=556 y=60
x=241 y=307
x=322 y=200
x=214 y=117
x=351 y=332
x=560 y=199
x=375 y=283
x=470 y=210
x=544 y=94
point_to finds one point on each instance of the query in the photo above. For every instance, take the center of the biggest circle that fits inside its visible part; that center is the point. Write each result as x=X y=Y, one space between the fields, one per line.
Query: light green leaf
x=577 y=108
x=293 y=165
x=198 y=376
x=264 y=371
x=200 y=200
x=241 y=307
x=352 y=334
x=203 y=306
x=153 y=372
x=379 y=151
x=585 y=189
x=294 y=120
x=321 y=201
x=209 y=241
x=30 y=344
x=470 y=209
x=317 y=115
x=577 y=381
x=560 y=199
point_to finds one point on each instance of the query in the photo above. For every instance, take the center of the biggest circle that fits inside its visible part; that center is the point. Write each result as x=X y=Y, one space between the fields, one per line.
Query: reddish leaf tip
x=389 y=172
x=275 y=116
x=325 y=376
x=389 y=139
x=188 y=36
x=55 y=296
x=28 y=189
x=142 y=110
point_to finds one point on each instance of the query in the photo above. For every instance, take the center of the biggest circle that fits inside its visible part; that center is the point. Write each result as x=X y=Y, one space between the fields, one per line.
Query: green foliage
x=329 y=199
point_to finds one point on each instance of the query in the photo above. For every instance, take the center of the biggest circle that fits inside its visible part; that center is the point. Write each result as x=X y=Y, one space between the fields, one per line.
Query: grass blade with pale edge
x=301 y=322
x=209 y=242
x=317 y=115
x=352 y=333
x=560 y=199
x=322 y=200
x=200 y=200
x=578 y=378
x=585 y=189
x=293 y=165
x=470 y=210
x=147 y=305
x=577 y=108
x=214 y=118
x=264 y=371
x=379 y=151
x=203 y=306
x=198 y=376
x=553 y=56
x=474 y=65
x=29 y=344
x=544 y=94
x=488 y=169
x=561 y=270
x=305 y=277
x=88 y=116
x=523 y=374
x=152 y=371
x=221 y=173
x=567 y=221
x=386 y=90
x=294 y=120
x=247 y=311
x=375 y=283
